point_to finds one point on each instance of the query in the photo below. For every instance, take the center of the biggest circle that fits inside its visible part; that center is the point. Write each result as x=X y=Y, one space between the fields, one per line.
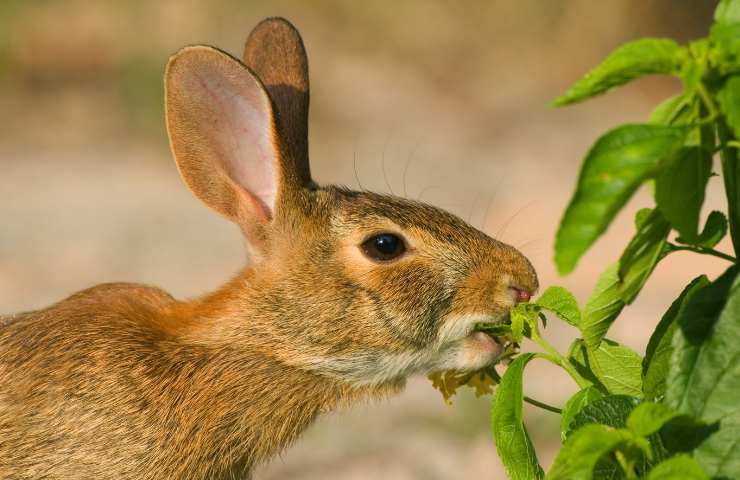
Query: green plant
x=674 y=413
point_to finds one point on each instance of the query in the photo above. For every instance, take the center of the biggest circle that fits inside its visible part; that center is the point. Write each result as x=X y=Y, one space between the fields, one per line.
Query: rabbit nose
x=521 y=295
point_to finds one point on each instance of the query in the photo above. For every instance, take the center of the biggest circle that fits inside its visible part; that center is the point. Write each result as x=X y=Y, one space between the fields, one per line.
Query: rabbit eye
x=384 y=247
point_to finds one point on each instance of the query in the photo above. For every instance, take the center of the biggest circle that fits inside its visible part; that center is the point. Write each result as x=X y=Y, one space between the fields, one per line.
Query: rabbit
x=346 y=294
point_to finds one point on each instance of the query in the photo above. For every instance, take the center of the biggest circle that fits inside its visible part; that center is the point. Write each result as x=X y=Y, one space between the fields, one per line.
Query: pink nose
x=521 y=294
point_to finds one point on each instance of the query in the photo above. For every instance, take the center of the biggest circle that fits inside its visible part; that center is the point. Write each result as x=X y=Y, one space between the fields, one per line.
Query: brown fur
x=123 y=381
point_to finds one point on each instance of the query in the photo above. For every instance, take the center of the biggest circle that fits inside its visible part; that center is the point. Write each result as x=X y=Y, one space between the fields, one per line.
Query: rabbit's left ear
x=274 y=52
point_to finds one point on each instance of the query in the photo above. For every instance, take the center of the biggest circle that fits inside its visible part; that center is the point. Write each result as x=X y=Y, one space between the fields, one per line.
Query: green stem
x=497 y=378
x=555 y=357
x=707 y=100
x=627 y=467
x=704 y=251
x=542 y=405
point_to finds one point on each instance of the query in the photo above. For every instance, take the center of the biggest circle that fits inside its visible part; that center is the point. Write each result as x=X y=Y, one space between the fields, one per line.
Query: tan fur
x=123 y=381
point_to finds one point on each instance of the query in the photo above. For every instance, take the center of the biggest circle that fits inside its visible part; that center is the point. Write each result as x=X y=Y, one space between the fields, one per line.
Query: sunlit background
x=444 y=101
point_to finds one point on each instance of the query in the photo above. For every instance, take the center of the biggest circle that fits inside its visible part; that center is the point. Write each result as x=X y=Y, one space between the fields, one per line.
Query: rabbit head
x=358 y=286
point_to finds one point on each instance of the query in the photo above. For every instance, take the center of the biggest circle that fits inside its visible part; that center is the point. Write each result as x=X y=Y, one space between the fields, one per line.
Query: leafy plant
x=672 y=414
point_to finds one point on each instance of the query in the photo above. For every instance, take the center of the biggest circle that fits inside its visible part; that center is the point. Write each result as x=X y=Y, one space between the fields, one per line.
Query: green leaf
x=562 y=303
x=731 y=176
x=727 y=11
x=578 y=358
x=615 y=166
x=679 y=190
x=714 y=230
x=575 y=404
x=657 y=359
x=512 y=441
x=729 y=103
x=629 y=61
x=611 y=410
x=602 y=307
x=642 y=254
x=583 y=449
x=522 y=317
x=495 y=329
x=704 y=379
x=669 y=109
x=617 y=367
x=725 y=38
x=647 y=418
x=680 y=467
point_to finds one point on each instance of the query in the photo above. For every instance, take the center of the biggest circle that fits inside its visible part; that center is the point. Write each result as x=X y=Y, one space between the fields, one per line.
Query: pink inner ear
x=243 y=133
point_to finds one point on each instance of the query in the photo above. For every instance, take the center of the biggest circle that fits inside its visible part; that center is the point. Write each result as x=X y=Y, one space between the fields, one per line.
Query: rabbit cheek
x=476 y=351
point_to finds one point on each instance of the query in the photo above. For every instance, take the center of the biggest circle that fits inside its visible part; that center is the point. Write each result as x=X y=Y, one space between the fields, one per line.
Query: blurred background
x=438 y=100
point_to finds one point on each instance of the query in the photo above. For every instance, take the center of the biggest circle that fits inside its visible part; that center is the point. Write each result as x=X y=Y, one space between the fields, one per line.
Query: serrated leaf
x=704 y=379
x=642 y=254
x=512 y=441
x=629 y=61
x=583 y=449
x=615 y=166
x=611 y=410
x=680 y=467
x=714 y=230
x=575 y=404
x=657 y=359
x=679 y=189
x=562 y=303
x=728 y=98
x=617 y=367
x=649 y=417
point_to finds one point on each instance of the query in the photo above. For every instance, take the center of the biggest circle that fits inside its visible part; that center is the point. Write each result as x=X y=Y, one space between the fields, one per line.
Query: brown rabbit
x=346 y=295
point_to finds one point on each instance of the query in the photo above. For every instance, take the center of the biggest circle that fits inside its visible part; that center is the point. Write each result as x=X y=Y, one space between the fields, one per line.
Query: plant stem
x=707 y=100
x=704 y=251
x=542 y=405
x=555 y=357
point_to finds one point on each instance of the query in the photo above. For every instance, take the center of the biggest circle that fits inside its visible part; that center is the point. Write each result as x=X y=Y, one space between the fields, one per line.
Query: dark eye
x=384 y=247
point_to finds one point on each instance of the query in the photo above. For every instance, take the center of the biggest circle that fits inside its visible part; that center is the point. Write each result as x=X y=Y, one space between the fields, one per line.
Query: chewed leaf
x=562 y=303
x=482 y=383
x=631 y=60
x=614 y=168
x=450 y=381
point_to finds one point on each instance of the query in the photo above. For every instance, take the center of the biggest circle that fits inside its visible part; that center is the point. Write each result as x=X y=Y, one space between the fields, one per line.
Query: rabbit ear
x=222 y=133
x=275 y=52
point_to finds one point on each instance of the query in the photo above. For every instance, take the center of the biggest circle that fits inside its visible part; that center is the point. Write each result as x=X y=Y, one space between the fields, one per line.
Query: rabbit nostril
x=521 y=294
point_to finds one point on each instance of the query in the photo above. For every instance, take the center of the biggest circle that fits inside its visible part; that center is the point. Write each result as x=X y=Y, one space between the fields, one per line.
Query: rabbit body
x=346 y=295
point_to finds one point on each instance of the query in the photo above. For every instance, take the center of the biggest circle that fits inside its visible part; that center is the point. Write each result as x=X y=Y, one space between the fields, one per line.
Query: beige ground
x=454 y=96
